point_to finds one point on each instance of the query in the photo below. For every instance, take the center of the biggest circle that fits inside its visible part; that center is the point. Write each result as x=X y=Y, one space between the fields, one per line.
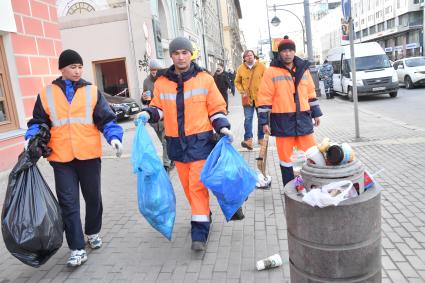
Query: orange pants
x=285 y=147
x=196 y=193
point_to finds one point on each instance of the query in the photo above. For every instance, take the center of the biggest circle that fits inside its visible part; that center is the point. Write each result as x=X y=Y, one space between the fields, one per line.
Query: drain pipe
x=133 y=51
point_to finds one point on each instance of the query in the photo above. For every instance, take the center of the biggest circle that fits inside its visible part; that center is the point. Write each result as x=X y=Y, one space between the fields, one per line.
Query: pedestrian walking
x=190 y=104
x=154 y=67
x=326 y=74
x=223 y=84
x=231 y=75
x=76 y=113
x=288 y=92
x=247 y=81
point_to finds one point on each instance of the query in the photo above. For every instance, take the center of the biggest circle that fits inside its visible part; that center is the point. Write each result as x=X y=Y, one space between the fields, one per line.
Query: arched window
x=80 y=8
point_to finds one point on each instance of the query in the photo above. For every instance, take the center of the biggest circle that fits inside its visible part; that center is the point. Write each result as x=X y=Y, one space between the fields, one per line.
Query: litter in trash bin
x=331 y=194
x=270 y=262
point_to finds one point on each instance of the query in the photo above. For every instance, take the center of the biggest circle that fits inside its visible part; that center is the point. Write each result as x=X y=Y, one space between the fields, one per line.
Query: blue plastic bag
x=228 y=176
x=155 y=194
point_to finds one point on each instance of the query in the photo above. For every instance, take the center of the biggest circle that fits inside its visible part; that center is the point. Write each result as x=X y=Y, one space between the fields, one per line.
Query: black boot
x=199 y=232
x=238 y=215
x=287 y=174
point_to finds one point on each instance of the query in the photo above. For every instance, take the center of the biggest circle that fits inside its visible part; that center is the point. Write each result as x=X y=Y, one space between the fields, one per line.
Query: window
x=390 y=23
x=365 y=32
x=8 y=120
x=380 y=27
x=80 y=8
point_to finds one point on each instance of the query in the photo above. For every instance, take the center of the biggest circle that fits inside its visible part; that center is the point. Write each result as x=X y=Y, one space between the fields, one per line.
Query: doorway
x=111 y=77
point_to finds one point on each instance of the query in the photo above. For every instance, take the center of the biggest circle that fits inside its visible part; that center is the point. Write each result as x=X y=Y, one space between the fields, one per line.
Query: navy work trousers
x=69 y=176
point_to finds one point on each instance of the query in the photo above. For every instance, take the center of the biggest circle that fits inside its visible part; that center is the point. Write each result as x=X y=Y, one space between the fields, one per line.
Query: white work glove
x=117 y=145
x=143 y=117
x=227 y=132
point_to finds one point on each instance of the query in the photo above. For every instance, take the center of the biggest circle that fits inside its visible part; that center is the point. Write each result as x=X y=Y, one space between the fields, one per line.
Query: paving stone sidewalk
x=134 y=252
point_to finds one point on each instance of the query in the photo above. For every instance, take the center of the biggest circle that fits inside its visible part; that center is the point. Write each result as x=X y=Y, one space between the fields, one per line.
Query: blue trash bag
x=228 y=176
x=155 y=194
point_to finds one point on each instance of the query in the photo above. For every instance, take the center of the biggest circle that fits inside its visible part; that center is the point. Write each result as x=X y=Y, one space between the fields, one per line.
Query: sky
x=254 y=20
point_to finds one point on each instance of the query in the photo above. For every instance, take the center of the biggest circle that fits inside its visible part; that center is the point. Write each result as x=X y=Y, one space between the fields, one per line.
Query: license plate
x=378 y=88
x=134 y=109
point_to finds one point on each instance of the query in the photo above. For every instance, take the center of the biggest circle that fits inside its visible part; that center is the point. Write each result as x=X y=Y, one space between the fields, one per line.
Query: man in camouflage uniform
x=325 y=74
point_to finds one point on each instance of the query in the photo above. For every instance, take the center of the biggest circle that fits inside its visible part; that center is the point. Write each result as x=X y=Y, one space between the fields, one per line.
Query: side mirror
x=400 y=67
x=346 y=74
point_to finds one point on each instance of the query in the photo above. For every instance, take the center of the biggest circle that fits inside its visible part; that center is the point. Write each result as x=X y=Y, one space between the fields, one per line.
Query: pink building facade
x=30 y=45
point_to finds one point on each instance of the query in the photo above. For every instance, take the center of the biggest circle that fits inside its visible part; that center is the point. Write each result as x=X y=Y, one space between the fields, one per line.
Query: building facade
x=115 y=39
x=233 y=47
x=30 y=44
x=397 y=25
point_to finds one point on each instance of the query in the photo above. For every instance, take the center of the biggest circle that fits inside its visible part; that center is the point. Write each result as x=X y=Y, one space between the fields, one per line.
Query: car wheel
x=350 y=94
x=408 y=82
x=393 y=94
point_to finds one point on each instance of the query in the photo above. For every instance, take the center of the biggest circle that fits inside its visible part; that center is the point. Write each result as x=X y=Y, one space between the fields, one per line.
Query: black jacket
x=222 y=82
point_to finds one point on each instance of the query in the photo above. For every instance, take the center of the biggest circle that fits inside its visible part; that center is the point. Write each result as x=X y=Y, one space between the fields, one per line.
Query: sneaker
x=94 y=241
x=77 y=258
x=247 y=144
x=199 y=246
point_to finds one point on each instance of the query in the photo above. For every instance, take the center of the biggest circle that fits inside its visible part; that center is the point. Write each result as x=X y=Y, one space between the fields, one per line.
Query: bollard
x=336 y=243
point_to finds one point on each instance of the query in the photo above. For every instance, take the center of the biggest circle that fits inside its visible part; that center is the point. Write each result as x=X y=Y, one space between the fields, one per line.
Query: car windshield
x=415 y=62
x=371 y=62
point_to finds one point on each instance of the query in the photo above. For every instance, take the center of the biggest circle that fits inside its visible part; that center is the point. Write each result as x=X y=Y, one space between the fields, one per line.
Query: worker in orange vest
x=190 y=104
x=288 y=92
x=76 y=112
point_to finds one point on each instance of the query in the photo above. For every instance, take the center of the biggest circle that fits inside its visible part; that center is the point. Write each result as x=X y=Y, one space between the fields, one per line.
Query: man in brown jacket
x=247 y=81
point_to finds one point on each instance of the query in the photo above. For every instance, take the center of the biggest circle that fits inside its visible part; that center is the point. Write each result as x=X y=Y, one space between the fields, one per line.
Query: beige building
x=115 y=38
x=231 y=13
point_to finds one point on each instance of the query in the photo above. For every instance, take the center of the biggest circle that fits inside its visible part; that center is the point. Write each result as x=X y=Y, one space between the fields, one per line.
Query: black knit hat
x=286 y=43
x=180 y=43
x=69 y=57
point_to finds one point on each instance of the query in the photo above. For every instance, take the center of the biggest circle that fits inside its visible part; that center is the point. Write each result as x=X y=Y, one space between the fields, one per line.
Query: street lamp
x=276 y=21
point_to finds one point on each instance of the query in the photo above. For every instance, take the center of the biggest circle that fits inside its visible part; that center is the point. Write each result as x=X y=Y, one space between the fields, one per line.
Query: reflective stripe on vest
x=88 y=120
x=187 y=94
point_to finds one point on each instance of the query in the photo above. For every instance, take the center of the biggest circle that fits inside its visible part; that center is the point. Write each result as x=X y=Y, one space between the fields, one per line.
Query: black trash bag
x=31 y=220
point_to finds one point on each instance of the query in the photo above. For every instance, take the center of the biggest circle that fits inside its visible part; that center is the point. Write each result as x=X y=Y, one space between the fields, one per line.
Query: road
x=408 y=107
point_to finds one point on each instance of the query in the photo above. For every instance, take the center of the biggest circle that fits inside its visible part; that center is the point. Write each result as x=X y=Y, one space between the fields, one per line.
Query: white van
x=375 y=75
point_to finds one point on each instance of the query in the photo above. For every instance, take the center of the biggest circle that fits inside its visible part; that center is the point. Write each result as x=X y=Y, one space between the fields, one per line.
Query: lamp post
x=276 y=21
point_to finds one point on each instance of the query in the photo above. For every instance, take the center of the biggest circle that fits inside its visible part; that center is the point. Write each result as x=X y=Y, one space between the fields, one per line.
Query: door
x=337 y=86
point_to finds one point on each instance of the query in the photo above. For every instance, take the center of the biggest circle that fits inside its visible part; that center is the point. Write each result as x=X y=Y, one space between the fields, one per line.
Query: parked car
x=123 y=107
x=410 y=71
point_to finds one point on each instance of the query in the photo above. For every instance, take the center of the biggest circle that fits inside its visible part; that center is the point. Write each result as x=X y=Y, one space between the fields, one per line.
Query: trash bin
x=335 y=243
x=315 y=75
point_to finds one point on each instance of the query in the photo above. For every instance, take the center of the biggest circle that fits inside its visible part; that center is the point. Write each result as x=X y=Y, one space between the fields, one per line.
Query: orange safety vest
x=73 y=133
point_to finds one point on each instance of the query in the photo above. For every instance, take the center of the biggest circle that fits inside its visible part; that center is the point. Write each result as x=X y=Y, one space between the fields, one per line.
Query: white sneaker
x=77 y=258
x=95 y=242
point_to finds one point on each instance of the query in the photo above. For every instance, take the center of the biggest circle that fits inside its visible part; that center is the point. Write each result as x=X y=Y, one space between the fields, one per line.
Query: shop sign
x=398 y=48
x=388 y=49
x=411 y=46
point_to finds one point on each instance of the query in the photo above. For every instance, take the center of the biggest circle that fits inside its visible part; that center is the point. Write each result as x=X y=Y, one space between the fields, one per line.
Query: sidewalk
x=134 y=252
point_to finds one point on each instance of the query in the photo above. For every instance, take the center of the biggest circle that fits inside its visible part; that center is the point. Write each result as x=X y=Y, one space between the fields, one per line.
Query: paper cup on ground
x=270 y=262
x=313 y=154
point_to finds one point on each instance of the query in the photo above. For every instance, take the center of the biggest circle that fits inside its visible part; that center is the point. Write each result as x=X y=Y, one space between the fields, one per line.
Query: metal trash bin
x=314 y=71
x=335 y=243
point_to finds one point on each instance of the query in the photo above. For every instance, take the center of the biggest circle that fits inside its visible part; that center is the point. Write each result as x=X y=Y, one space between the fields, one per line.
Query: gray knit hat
x=155 y=64
x=180 y=43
